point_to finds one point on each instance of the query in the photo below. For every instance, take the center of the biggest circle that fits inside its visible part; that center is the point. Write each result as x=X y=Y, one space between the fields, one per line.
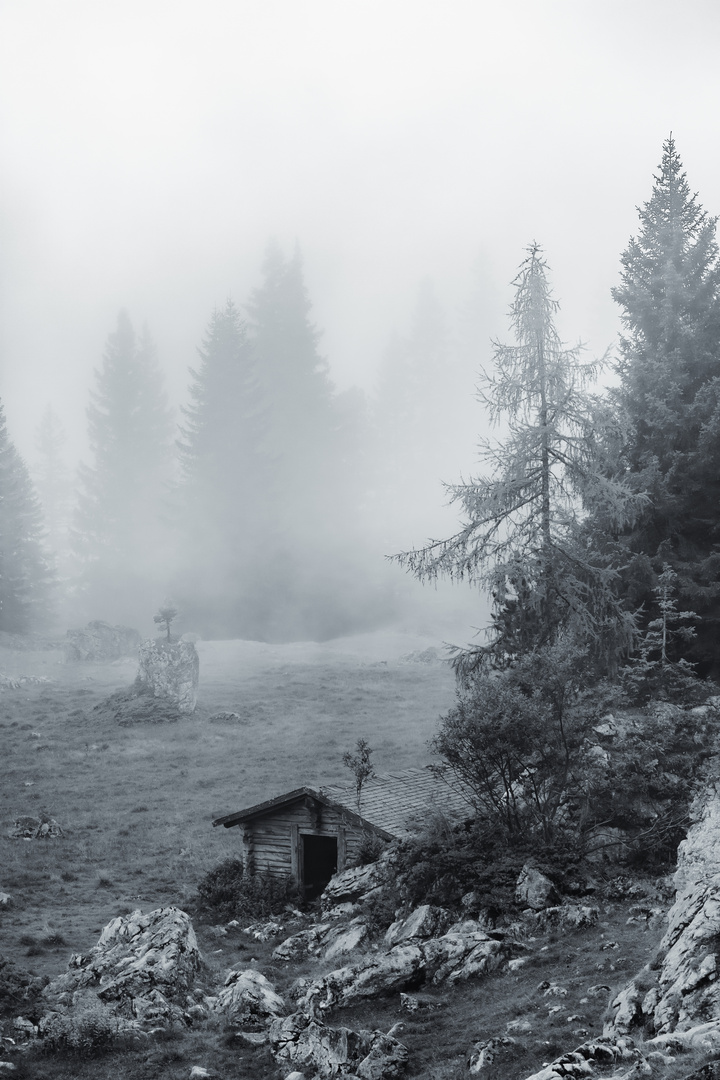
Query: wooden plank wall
x=271 y=842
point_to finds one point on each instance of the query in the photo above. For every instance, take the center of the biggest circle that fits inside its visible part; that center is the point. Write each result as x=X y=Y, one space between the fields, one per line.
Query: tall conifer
x=670 y=390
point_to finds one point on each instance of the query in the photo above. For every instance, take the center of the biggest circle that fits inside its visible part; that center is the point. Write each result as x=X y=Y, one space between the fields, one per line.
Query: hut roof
x=390 y=804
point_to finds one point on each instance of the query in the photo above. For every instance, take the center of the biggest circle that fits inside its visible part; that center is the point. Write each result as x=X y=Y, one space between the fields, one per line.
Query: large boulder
x=101 y=643
x=170 y=670
x=316 y=1050
x=143 y=963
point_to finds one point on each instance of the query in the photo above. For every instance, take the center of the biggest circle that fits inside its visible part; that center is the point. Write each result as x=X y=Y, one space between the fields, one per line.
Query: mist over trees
x=119 y=535
x=267 y=512
x=26 y=575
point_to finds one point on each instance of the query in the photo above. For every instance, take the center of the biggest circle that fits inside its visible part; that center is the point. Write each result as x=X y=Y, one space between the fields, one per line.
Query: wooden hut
x=310 y=834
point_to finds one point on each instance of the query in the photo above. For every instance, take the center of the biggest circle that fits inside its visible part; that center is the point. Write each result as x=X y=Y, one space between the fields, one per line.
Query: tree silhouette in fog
x=25 y=574
x=118 y=537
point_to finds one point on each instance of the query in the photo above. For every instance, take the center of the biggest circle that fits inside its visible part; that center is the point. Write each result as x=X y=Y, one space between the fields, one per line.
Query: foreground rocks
x=464 y=951
x=316 y=1050
x=144 y=965
x=171 y=671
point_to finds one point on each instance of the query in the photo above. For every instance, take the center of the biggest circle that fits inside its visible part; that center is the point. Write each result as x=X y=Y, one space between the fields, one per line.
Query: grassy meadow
x=136 y=803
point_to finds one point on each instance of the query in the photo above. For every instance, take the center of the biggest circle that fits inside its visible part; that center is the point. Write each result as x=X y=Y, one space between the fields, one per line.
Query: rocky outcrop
x=101 y=643
x=143 y=964
x=679 y=988
x=465 y=951
x=248 y=999
x=171 y=671
x=313 y=1049
x=698 y=855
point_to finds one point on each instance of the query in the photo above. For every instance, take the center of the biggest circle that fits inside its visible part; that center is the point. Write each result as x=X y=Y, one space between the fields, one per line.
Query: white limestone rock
x=171 y=670
x=314 y=1049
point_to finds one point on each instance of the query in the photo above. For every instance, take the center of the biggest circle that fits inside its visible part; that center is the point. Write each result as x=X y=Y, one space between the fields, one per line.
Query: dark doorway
x=319 y=863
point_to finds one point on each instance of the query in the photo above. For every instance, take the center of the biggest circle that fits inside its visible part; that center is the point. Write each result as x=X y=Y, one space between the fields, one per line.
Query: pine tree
x=670 y=390
x=522 y=537
x=25 y=572
x=119 y=537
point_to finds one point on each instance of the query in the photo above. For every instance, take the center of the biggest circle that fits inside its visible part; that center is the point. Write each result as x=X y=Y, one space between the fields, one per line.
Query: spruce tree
x=26 y=576
x=119 y=537
x=523 y=535
x=670 y=391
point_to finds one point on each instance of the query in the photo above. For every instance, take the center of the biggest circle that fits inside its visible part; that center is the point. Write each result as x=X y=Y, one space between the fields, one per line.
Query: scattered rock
x=5 y=899
x=248 y=998
x=30 y=828
x=484 y=1054
x=171 y=670
x=263 y=931
x=567 y=917
x=413 y=1003
x=324 y=1052
x=534 y=889
x=227 y=718
x=101 y=643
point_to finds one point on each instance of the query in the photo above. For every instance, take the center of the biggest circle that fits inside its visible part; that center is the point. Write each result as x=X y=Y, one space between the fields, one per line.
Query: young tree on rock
x=26 y=576
x=670 y=390
x=522 y=536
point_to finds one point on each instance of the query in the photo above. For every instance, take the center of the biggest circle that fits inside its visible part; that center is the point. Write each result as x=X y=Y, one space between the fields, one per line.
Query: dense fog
x=254 y=257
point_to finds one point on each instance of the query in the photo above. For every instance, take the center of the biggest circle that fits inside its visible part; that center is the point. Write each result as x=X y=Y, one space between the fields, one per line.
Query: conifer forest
x=592 y=516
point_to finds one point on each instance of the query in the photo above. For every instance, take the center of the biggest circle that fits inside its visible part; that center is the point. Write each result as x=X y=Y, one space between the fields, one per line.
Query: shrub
x=228 y=893
x=93 y=1031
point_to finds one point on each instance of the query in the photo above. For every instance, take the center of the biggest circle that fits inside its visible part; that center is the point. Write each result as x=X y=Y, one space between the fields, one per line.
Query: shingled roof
x=391 y=804
x=394 y=802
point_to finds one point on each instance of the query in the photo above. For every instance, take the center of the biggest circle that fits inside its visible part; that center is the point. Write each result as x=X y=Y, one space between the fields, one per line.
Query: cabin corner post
x=247 y=850
x=341 y=848
x=295 y=854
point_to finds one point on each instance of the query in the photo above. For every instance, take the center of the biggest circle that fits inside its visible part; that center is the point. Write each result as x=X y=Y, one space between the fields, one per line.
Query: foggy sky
x=151 y=148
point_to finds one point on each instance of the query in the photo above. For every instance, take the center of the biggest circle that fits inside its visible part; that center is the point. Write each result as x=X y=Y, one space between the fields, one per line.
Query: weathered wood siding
x=271 y=843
